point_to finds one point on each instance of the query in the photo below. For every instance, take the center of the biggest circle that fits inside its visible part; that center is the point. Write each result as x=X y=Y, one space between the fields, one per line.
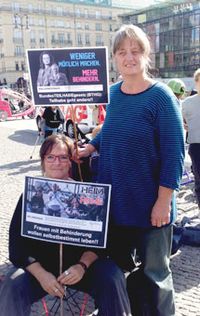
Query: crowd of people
x=140 y=149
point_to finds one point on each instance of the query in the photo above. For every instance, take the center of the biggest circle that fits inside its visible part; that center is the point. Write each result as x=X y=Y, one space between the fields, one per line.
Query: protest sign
x=66 y=212
x=68 y=76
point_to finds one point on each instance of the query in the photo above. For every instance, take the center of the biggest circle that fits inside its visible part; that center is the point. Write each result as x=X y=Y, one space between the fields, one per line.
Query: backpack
x=191 y=232
x=187 y=232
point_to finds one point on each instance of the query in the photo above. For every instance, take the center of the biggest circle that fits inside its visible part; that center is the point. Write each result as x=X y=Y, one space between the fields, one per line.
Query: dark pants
x=54 y=212
x=194 y=152
x=47 y=133
x=151 y=288
x=104 y=281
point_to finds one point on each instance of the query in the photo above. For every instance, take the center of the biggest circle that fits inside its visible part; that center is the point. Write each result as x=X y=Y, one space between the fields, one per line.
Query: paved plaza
x=17 y=139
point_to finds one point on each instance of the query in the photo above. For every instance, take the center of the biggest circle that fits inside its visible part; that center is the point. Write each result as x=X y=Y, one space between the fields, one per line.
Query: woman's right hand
x=82 y=152
x=50 y=284
x=46 y=279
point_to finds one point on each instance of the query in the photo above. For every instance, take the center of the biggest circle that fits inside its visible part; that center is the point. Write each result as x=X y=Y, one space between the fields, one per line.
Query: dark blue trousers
x=104 y=281
x=194 y=152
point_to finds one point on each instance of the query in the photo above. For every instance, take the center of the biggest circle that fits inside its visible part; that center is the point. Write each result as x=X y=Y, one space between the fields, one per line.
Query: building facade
x=49 y=24
x=174 y=30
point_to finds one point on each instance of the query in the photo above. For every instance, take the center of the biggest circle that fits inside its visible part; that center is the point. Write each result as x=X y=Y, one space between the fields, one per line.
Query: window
x=33 y=21
x=52 y=23
x=22 y=66
x=30 y=7
x=32 y=36
x=17 y=34
x=15 y=7
x=40 y=10
x=17 y=21
x=78 y=26
x=87 y=39
x=41 y=22
x=79 y=39
x=69 y=37
x=98 y=27
x=99 y=40
x=60 y=23
x=27 y=22
x=61 y=38
x=86 y=13
x=68 y=25
x=78 y=12
x=16 y=66
x=41 y=38
x=59 y=11
x=98 y=15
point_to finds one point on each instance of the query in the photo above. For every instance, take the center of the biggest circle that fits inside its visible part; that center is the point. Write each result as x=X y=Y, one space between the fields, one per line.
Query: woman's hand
x=161 y=210
x=72 y=275
x=50 y=284
x=160 y=214
x=82 y=152
x=46 y=279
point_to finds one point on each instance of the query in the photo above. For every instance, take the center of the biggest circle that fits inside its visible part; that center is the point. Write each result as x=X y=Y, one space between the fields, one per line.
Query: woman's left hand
x=161 y=210
x=160 y=214
x=72 y=275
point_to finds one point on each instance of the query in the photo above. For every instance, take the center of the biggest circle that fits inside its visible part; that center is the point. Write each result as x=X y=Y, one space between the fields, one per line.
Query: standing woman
x=141 y=148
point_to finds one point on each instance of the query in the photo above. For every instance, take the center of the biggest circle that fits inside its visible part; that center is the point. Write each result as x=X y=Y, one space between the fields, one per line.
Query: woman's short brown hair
x=132 y=32
x=54 y=140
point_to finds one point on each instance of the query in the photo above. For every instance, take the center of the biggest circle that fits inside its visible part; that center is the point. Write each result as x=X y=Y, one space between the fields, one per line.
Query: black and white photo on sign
x=66 y=211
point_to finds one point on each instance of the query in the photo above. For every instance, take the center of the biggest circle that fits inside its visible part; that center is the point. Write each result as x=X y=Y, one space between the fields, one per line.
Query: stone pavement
x=17 y=139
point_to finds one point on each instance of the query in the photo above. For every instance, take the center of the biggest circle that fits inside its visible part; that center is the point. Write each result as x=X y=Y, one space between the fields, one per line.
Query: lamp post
x=74 y=13
x=45 y=22
x=19 y=23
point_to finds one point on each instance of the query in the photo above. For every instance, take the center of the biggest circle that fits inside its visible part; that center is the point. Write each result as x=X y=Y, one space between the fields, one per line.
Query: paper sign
x=66 y=212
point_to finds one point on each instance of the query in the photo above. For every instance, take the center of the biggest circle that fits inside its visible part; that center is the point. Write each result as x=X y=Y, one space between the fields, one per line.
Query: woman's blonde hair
x=134 y=33
x=197 y=74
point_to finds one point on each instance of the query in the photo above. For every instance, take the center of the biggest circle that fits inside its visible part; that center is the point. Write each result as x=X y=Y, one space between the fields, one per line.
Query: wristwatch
x=83 y=265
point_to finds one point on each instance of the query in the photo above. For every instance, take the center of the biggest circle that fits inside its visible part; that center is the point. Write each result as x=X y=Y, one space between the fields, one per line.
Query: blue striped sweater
x=141 y=147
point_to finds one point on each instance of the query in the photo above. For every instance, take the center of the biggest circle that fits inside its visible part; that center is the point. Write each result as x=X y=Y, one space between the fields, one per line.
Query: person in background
x=54 y=205
x=141 y=148
x=52 y=117
x=178 y=87
x=36 y=263
x=44 y=73
x=193 y=92
x=57 y=78
x=37 y=202
x=191 y=117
